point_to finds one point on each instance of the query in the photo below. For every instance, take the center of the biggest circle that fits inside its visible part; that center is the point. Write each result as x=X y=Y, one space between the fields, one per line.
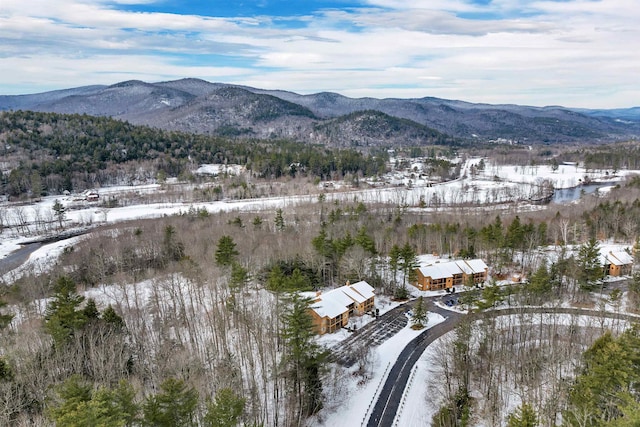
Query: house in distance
x=331 y=310
x=616 y=263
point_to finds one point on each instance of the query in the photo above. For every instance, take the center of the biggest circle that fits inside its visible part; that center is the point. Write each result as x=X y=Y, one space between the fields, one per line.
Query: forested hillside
x=199 y=106
x=47 y=153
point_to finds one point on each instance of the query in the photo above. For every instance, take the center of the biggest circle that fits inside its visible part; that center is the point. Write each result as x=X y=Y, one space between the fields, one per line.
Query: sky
x=574 y=53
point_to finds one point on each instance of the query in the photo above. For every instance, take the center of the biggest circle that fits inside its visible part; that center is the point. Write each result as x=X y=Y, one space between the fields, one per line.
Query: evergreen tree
x=115 y=407
x=112 y=318
x=590 y=269
x=225 y=410
x=174 y=406
x=276 y=279
x=63 y=316
x=491 y=296
x=36 y=185
x=90 y=311
x=419 y=319
x=365 y=241
x=239 y=276
x=71 y=404
x=394 y=262
x=75 y=404
x=408 y=263
x=279 y=220
x=173 y=249
x=5 y=319
x=59 y=212
x=6 y=373
x=325 y=248
x=514 y=236
x=607 y=386
x=303 y=360
x=540 y=282
x=523 y=416
x=226 y=253
x=322 y=244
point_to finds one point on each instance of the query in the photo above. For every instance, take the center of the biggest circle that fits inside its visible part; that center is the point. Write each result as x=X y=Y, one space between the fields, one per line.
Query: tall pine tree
x=303 y=359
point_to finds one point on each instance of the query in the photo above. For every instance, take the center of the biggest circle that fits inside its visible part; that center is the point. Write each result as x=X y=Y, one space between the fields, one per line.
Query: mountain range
x=198 y=106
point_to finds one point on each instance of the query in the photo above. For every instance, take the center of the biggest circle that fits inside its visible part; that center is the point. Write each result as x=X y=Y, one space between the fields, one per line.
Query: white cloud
x=575 y=53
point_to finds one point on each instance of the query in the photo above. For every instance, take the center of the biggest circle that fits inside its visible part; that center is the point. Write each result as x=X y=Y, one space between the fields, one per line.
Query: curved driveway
x=386 y=407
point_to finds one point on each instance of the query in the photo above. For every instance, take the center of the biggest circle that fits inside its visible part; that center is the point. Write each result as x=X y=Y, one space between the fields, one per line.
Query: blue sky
x=577 y=53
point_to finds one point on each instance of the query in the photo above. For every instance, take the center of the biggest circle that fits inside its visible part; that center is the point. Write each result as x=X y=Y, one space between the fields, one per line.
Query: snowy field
x=494 y=185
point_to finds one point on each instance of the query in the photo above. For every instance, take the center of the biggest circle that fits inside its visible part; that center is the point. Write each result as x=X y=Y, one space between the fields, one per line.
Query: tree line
x=49 y=153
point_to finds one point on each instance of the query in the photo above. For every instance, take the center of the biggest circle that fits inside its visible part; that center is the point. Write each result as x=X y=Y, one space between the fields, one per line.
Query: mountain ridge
x=199 y=106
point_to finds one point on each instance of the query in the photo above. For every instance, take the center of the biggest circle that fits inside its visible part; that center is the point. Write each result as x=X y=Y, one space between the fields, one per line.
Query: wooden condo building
x=331 y=310
x=445 y=274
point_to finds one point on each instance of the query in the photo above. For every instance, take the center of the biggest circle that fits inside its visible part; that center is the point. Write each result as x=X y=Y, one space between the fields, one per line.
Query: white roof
x=335 y=302
x=364 y=289
x=328 y=307
x=441 y=270
x=465 y=267
x=477 y=265
x=338 y=296
x=618 y=258
x=444 y=269
x=353 y=294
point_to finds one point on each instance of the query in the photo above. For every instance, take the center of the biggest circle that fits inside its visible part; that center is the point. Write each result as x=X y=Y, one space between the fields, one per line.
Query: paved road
x=386 y=407
x=16 y=258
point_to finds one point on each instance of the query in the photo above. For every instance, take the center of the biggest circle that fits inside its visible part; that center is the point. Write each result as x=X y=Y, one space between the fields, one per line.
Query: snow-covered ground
x=495 y=184
x=421 y=401
x=356 y=402
x=565 y=176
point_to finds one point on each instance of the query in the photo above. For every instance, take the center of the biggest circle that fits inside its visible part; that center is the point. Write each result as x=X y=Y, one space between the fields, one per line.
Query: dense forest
x=49 y=153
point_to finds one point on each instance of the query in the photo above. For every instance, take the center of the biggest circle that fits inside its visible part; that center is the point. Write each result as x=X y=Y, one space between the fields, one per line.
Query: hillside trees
x=174 y=405
x=303 y=359
x=77 y=152
x=590 y=269
x=605 y=393
x=176 y=322
x=341 y=255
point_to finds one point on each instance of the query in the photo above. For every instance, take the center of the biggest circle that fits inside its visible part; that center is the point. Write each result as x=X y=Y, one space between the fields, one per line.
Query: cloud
x=575 y=52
